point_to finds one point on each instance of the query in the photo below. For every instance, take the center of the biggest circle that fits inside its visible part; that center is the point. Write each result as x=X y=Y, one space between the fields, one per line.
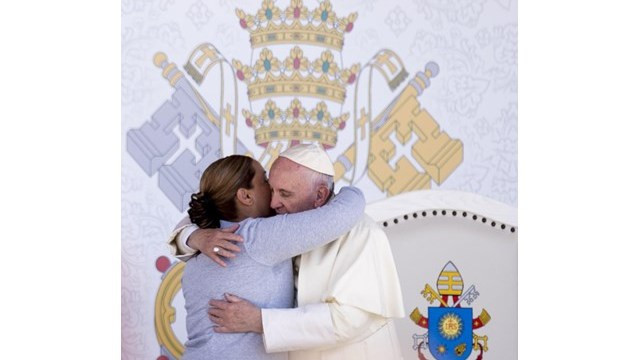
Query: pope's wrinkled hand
x=235 y=315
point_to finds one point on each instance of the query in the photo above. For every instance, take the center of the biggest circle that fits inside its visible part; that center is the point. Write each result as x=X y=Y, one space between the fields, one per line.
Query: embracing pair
x=317 y=280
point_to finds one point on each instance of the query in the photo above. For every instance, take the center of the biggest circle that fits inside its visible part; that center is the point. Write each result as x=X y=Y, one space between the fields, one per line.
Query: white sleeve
x=300 y=328
x=183 y=248
x=178 y=242
x=350 y=322
x=316 y=326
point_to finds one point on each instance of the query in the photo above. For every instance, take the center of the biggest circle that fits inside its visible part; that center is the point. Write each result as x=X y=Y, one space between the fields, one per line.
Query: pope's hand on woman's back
x=216 y=243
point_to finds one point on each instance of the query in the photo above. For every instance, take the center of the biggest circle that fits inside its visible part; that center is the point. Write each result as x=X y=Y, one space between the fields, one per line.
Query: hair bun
x=203 y=212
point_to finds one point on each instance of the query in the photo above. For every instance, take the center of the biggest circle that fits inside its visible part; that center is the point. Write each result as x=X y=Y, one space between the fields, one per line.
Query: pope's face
x=291 y=190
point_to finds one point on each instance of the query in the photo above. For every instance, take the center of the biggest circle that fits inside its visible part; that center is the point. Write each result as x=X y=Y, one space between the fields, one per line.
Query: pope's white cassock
x=348 y=293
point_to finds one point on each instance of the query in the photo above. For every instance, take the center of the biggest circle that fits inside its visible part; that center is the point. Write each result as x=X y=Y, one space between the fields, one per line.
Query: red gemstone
x=342 y=125
x=240 y=75
x=249 y=123
x=162 y=264
x=296 y=12
x=243 y=23
x=162 y=357
x=295 y=142
x=352 y=78
x=349 y=27
x=296 y=112
x=296 y=63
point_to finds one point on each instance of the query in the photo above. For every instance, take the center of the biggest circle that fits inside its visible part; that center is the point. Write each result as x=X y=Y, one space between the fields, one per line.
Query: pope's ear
x=322 y=194
x=244 y=196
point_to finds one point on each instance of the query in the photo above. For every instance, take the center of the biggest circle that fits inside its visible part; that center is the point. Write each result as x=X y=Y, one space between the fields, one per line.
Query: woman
x=235 y=190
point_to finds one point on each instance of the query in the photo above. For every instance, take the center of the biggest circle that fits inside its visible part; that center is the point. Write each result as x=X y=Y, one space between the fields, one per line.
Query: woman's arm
x=275 y=239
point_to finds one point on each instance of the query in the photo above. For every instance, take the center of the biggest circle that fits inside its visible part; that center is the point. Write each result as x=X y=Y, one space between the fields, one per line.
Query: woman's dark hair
x=218 y=187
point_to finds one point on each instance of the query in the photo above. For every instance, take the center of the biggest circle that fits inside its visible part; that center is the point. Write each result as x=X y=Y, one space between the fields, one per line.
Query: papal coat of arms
x=450 y=326
x=297 y=90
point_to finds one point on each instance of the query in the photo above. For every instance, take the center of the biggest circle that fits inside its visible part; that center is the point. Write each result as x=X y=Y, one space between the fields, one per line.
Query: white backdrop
x=473 y=99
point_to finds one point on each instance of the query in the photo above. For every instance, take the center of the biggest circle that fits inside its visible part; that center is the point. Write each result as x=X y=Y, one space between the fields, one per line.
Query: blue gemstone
x=324 y=15
x=325 y=66
x=271 y=113
x=267 y=65
x=320 y=115
x=268 y=14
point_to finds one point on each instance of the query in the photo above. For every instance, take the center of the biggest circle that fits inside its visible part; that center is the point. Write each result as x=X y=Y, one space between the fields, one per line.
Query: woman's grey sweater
x=262 y=273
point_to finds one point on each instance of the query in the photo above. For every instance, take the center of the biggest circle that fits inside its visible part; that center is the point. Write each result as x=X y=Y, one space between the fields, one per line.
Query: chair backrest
x=454 y=247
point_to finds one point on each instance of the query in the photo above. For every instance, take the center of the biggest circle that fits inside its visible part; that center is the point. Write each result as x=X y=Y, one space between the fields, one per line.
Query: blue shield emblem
x=450 y=333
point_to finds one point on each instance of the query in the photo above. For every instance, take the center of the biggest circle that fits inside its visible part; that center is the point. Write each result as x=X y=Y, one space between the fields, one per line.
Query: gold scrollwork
x=165 y=313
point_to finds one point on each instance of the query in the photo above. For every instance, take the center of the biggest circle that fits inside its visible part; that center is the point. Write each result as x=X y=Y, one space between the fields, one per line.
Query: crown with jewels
x=295 y=123
x=296 y=24
x=296 y=75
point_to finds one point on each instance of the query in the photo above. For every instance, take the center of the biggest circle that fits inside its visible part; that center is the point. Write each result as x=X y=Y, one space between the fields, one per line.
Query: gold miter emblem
x=450 y=281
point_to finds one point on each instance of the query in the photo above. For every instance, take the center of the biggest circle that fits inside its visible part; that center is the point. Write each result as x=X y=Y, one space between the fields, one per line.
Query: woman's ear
x=245 y=197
